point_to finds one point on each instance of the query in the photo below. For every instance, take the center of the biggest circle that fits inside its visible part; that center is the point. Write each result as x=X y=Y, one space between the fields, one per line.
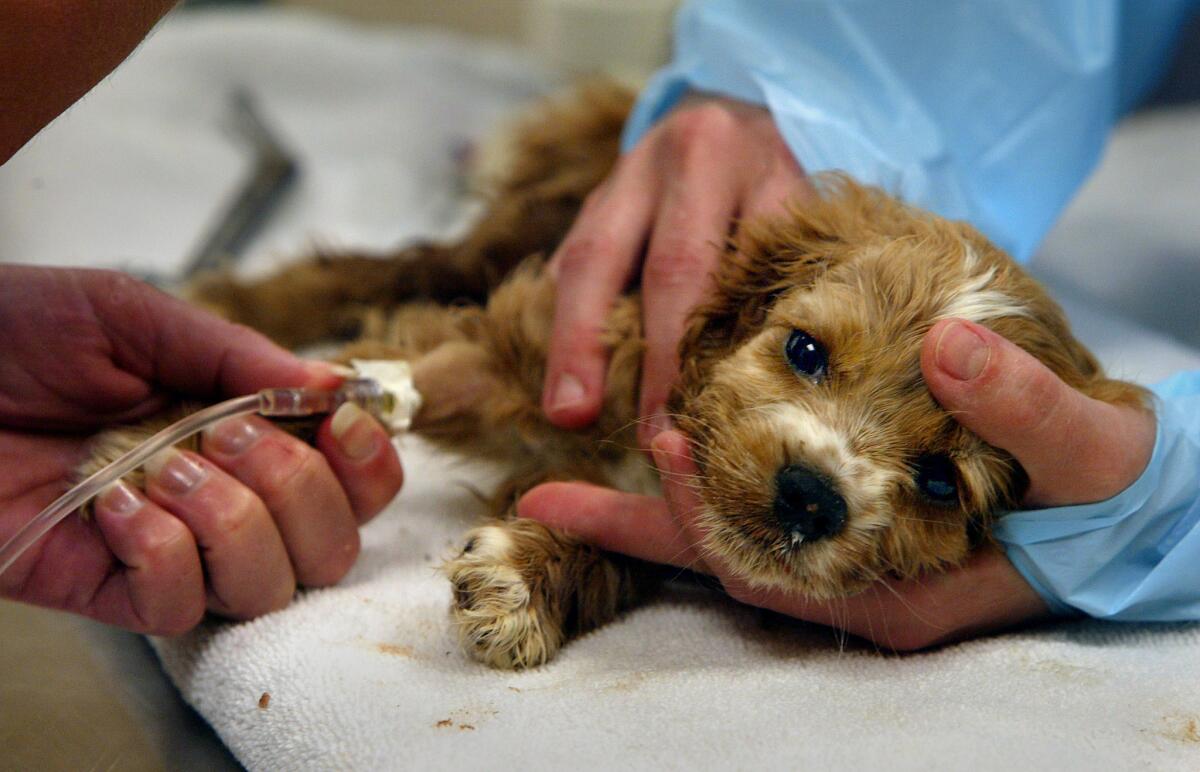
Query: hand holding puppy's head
x=825 y=462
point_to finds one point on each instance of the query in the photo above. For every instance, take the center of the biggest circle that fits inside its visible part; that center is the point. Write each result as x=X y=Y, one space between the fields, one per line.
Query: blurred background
x=380 y=104
x=624 y=38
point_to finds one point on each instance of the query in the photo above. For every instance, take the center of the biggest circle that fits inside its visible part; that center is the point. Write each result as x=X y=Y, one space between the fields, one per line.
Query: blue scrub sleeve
x=1136 y=556
x=990 y=111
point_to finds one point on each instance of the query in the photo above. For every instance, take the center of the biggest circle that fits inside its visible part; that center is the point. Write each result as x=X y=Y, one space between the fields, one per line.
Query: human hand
x=232 y=529
x=1074 y=449
x=673 y=198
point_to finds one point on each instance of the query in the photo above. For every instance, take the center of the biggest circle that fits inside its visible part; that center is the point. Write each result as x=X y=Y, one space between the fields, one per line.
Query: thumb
x=1075 y=449
x=231 y=358
x=190 y=350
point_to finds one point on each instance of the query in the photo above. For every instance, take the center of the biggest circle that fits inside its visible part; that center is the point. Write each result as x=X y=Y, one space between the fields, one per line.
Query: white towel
x=367 y=675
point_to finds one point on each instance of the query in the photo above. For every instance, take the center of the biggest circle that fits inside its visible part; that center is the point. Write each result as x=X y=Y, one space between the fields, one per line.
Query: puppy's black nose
x=806 y=503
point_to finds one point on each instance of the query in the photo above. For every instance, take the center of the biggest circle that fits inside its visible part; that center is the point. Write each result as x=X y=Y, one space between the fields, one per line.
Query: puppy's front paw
x=501 y=601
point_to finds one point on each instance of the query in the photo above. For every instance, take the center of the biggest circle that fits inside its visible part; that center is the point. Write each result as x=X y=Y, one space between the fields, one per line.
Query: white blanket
x=366 y=675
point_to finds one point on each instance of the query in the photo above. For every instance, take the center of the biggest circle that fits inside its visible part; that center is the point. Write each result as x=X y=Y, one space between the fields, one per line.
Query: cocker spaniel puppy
x=825 y=463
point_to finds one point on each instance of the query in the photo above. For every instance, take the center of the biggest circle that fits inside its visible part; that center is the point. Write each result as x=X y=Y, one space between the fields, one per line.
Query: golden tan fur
x=868 y=276
x=863 y=273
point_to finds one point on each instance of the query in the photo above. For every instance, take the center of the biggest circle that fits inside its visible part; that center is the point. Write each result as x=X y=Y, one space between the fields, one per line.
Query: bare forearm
x=52 y=52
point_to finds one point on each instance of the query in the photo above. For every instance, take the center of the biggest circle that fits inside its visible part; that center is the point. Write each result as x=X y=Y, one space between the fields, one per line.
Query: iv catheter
x=394 y=406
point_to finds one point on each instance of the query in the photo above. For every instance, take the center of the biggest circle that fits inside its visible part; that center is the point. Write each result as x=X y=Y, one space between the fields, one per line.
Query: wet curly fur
x=862 y=273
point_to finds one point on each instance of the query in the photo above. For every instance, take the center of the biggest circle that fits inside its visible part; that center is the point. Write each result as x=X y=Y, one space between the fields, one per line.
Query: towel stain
x=395 y=650
x=1066 y=671
x=627 y=683
x=466 y=719
x=1181 y=728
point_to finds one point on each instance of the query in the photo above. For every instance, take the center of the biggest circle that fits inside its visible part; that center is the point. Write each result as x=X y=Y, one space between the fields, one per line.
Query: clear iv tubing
x=364 y=392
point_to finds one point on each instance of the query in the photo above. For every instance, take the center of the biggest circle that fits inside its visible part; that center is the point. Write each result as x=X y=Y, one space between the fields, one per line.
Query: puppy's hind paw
x=500 y=608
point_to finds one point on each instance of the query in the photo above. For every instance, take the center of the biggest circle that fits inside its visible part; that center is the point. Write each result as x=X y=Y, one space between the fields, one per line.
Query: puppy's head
x=824 y=461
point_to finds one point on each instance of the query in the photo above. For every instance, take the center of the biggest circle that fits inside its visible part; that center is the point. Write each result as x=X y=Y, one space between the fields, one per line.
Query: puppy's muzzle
x=807 y=504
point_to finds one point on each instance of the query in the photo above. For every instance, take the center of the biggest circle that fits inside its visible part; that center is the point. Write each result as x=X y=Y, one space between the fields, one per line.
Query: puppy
x=825 y=464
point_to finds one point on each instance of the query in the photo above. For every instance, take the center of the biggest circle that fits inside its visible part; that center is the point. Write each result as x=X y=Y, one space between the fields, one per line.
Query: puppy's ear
x=767 y=258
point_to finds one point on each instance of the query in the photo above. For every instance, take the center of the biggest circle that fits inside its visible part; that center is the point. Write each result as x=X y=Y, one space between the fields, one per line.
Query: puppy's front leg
x=521 y=590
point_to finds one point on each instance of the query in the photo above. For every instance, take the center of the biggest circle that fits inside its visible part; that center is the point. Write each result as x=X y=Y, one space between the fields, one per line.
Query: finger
x=786 y=186
x=362 y=456
x=639 y=526
x=301 y=492
x=689 y=236
x=165 y=340
x=159 y=588
x=248 y=570
x=593 y=265
x=677 y=470
x=1075 y=449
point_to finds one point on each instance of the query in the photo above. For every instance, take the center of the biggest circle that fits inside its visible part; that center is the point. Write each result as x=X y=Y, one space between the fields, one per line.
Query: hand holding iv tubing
x=368 y=394
x=232 y=529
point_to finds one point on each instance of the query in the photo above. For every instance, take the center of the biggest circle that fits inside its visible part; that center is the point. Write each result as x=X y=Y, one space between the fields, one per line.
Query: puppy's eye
x=936 y=479
x=806 y=356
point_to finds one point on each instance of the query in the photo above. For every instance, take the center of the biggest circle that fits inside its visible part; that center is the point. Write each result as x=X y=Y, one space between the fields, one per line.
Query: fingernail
x=231 y=437
x=354 y=430
x=119 y=499
x=568 y=393
x=961 y=353
x=175 y=472
x=661 y=456
x=325 y=374
x=659 y=421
